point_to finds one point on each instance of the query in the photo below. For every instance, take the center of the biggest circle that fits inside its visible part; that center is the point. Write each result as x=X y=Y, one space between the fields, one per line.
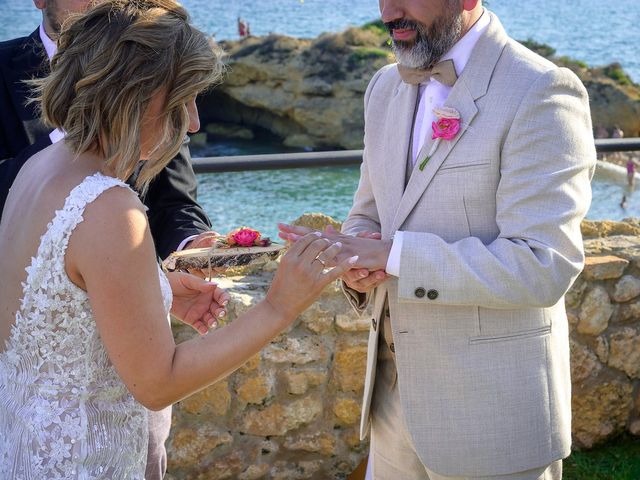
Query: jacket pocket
x=535 y=332
x=460 y=166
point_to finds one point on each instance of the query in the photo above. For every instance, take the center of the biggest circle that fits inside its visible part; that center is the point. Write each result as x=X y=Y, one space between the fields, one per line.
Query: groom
x=476 y=177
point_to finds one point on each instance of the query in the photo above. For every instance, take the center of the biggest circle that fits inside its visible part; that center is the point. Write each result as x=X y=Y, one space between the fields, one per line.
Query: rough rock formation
x=310 y=92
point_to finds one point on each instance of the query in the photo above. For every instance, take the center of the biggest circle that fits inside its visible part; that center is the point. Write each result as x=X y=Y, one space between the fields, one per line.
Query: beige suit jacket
x=492 y=242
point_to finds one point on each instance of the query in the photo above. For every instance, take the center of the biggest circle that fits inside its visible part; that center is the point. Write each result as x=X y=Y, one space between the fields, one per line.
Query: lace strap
x=65 y=220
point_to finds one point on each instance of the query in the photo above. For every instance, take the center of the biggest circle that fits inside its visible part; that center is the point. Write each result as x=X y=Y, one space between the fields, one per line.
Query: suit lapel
x=400 y=117
x=472 y=84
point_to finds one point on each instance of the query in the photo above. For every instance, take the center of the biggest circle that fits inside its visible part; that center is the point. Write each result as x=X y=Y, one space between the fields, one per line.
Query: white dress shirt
x=434 y=94
x=50 y=48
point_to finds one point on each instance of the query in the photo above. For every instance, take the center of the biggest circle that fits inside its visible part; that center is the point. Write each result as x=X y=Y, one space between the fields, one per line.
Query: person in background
x=617 y=132
x=86 y=348
x=243 y=28
x=476 y=171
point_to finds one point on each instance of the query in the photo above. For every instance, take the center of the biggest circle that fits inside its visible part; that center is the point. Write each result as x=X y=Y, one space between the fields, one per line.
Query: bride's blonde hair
x=110 y=61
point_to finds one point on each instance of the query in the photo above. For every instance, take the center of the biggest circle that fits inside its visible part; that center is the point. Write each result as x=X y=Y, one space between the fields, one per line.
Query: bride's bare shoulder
x=117 y=211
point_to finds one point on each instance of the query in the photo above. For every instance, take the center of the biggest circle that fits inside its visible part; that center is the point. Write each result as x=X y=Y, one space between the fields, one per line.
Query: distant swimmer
x=623 y=202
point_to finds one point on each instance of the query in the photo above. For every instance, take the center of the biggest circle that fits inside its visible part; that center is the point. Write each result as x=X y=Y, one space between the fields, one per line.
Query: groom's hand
x=360 y=279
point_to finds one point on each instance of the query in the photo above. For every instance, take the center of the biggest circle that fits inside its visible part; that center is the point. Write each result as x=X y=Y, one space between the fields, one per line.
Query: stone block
x=296 y=350
x=299 y=381
x=213 y=400
x=624 y=352
x=189 y=445
x=600 y=412
x=351 y=437
x=317 y=221
x=278 y=419
x=605 y=267
x=353 y=323
x=584 y=363
x=254 y=472
x=255 y=389
x=595 y=312
x=573 y=297
x=322 y=443
x=350 y=365
x=227 y=467
x=317 y=320
x=295 y=471
x=627 y=288
x=347 y=410
x=628 y=313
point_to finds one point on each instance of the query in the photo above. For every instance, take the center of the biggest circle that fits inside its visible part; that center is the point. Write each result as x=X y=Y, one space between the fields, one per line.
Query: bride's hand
x=197 y=302
x=302 y=275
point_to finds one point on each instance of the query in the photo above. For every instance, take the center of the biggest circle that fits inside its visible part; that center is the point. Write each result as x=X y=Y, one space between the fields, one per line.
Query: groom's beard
x=430 y=43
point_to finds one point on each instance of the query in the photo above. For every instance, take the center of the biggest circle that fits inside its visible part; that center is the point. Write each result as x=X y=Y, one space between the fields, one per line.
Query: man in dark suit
x=174 y=214
x=175 y=218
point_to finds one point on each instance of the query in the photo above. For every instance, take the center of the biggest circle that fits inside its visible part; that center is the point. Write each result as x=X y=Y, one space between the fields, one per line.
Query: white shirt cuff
x=393 y=262
x=56 y=135
x=184 y=242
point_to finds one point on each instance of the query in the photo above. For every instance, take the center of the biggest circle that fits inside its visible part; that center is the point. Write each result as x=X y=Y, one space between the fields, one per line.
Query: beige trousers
x=392 y=454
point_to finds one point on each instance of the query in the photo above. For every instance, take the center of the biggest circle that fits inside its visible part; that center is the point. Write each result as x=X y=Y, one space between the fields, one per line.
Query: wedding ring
x=320 y=260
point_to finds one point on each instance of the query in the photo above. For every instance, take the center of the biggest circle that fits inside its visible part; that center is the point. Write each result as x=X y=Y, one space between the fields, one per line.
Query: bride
x=85 y=343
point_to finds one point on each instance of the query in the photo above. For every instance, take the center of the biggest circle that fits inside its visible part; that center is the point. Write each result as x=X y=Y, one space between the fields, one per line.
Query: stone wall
x=292 y=412
x=604 y=315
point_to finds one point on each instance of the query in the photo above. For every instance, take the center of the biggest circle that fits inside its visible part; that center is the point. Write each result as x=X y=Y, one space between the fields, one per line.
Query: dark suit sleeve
x=174 y=213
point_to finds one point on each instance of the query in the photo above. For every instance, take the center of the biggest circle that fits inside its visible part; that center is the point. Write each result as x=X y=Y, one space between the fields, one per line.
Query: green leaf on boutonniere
x=424 y=163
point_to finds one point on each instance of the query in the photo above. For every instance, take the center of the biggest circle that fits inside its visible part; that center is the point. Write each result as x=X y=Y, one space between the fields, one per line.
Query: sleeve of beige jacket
x=547 y=161
x=363 y=215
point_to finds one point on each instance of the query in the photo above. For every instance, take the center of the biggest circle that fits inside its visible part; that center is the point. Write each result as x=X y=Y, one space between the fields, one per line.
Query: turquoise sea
x=593 y=31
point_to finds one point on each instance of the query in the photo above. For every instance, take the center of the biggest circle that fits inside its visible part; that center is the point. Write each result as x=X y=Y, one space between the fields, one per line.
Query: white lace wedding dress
x=64 y=411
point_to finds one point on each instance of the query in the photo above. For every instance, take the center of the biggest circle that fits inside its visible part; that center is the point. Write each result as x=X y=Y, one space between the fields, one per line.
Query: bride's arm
x=112 y=253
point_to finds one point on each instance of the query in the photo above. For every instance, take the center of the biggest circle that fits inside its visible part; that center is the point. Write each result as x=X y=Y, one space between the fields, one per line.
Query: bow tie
x=444 y=72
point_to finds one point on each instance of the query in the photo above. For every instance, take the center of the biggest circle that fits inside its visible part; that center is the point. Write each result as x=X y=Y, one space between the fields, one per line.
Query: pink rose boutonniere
x=446 y=126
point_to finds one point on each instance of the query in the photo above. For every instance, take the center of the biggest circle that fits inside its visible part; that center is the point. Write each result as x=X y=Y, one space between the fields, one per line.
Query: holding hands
x=368 y=271
x=302 y=273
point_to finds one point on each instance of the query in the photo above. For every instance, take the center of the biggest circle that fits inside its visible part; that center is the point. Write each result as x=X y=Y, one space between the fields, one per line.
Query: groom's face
x=422 y=31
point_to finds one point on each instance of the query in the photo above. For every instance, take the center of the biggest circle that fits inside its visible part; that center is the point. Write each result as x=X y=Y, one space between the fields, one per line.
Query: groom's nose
x=391 y=10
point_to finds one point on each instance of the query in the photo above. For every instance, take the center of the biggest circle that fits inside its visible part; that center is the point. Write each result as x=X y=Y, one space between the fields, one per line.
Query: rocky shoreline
x=309 y=92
